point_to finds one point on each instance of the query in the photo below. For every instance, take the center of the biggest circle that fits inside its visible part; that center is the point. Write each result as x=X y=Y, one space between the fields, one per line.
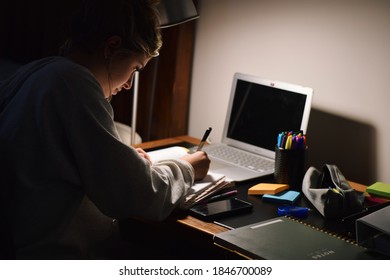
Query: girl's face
x=121 y=69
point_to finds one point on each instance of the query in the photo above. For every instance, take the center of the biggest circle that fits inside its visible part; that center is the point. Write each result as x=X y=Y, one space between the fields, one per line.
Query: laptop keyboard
x=240 y=158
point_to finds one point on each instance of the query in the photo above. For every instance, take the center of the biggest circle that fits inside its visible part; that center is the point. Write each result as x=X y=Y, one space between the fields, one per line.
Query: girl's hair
x=135 y=21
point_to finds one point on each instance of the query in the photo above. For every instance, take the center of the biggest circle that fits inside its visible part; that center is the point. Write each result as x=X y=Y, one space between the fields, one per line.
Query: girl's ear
x=113 y=43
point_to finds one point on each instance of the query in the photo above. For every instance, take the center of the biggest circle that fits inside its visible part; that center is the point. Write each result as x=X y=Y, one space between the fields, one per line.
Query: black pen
x=206 y=134
x=222 y=196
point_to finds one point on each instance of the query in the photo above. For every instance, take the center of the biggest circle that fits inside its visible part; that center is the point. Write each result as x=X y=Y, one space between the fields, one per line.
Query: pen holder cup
x=290 y=167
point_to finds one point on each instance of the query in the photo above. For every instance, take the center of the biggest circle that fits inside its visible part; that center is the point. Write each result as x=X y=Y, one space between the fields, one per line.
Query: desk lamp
x=172 y=12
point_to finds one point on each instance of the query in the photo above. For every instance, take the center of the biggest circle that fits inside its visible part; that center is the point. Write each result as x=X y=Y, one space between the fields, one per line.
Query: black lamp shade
x=173 y=12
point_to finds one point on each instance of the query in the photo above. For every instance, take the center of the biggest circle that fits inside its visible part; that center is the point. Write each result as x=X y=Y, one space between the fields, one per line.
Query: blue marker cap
x=280 y=139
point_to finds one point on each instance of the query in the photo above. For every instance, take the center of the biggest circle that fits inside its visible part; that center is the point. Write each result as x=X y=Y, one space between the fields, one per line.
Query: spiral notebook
x=285 y=238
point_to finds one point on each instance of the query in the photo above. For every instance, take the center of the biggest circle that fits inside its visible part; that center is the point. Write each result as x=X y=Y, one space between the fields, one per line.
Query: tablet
x=220 y=209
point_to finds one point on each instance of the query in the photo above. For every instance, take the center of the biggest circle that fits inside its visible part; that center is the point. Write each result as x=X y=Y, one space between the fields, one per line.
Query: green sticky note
x=379 y=189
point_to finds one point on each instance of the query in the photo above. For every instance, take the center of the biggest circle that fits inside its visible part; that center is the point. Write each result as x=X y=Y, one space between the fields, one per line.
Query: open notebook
x=200 y=190
x=258 y=110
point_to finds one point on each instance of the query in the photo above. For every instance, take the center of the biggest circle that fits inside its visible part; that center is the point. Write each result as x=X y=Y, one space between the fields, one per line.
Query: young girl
x=65 y=175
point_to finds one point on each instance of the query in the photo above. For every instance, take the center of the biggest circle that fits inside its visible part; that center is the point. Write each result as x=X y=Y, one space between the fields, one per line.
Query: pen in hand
x=205 y=136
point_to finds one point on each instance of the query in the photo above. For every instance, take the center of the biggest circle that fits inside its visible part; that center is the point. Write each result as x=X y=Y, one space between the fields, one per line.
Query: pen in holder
x=290 y=166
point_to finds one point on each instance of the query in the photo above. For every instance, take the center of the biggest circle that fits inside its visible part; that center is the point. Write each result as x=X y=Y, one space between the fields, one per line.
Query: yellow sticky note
x=267 y=188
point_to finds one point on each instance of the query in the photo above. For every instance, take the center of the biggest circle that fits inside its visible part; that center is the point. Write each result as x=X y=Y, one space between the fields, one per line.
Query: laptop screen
x=259 y=109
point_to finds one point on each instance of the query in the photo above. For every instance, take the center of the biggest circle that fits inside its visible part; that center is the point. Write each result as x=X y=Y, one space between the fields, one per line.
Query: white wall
x=340 y=48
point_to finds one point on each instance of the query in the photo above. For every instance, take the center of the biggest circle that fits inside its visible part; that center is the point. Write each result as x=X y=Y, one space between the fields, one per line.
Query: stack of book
x=201 y=190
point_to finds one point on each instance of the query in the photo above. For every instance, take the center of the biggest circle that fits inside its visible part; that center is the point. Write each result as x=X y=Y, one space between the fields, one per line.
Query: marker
x=206 y=134
x=288 y=142
x=295 y=211
x=221 y=196
x=280 y=139
x=335 y=190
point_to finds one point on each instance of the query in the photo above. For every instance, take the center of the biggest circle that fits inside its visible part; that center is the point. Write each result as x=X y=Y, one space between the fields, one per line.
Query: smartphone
x=220 y=209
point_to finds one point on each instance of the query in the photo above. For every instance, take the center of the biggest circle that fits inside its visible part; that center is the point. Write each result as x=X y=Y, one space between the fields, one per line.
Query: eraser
x=267 y=188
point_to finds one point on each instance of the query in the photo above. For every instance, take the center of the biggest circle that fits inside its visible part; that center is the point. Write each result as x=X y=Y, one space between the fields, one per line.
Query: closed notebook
x=379 y=189
x=284 y=238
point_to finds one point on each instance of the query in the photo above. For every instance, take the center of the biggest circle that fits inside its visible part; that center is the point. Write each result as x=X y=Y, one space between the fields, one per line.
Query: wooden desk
x=209 y=228
x=191 y=238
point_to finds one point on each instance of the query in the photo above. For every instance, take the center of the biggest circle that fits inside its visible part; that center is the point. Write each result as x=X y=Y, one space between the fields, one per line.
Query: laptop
x=258 y=110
